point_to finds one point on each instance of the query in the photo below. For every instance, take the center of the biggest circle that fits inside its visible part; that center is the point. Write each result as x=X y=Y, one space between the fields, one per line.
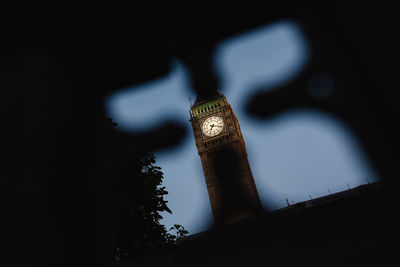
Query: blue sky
x=296 y=154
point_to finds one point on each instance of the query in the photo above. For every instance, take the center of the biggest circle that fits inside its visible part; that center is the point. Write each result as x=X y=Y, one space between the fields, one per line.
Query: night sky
x=296 y=154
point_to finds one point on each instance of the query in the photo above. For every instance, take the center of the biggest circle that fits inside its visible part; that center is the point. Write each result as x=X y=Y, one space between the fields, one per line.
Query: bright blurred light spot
x=144 y=106
x=304 y=152
x=265 y=57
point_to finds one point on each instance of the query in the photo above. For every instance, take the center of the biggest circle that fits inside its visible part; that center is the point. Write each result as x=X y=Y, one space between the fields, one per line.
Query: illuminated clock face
x=212 y=126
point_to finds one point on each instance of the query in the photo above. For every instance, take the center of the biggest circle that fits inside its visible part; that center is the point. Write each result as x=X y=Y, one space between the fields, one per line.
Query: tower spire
x=287 y=201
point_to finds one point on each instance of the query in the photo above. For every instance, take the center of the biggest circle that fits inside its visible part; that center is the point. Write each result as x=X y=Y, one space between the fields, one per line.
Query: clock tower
x=230 y=183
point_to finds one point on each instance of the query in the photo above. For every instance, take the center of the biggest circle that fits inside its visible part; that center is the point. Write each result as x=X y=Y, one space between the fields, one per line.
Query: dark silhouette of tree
x=179 y=231
x=137 y=201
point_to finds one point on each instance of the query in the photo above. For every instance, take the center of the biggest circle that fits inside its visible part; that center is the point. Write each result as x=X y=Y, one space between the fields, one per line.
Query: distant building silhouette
x=348 y=228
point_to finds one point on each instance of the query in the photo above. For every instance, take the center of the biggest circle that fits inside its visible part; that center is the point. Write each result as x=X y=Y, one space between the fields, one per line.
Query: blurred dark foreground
x=57 y=69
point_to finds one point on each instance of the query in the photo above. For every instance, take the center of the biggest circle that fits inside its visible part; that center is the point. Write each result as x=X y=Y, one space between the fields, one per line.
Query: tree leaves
x=138 y=209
